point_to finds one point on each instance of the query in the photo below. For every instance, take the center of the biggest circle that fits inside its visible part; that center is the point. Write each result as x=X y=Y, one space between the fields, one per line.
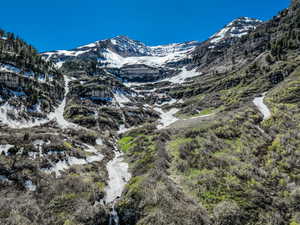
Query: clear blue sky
x=65 y=24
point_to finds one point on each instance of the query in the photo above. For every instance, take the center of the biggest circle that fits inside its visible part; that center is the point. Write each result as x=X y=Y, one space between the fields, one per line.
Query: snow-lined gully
x=117 y=168
x=118 y=177
x=57 y=115
x=262 y=107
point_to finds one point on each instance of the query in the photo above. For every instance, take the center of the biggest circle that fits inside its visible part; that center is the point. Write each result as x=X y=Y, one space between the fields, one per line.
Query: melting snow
x=118 y=177
x=4 y=118
x=4 y=149
x=167 y=118
x=9 y=68
x=235 y=31
x=123 y=129
x=58 y=114
x=4 y=179
x=182 y=76
x=71 y=161
x=114 y=60
x=263 y=108
x=121 y=98
x=29 y=185
x=99 y=141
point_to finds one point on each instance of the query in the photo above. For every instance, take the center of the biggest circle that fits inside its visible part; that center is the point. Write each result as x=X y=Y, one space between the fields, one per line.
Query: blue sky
x=65 y=24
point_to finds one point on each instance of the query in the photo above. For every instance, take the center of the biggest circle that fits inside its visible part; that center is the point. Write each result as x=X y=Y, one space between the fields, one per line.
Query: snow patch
x=113 y=60
x=118 y=177
x=182 y=76
x=30 y=186
x=9 y=68
x=4 y=149
x=262 y=107
x=166 y=118
x=62 y=165
x=99 y=141
x=121 y=98
x=123 y=129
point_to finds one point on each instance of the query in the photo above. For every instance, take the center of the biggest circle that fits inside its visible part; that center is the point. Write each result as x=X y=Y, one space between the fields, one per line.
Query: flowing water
x=114 y=217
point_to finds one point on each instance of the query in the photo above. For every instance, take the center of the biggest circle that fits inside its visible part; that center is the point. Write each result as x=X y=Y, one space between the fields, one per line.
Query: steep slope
x=46 y=161
x=239 y=162
x=208 y=131
x=30 y=86
x=236 y=29
x=126 y=58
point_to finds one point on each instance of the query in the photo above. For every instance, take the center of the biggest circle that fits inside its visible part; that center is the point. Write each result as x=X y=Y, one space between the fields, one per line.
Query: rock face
x=142 y=73
x=228 y=47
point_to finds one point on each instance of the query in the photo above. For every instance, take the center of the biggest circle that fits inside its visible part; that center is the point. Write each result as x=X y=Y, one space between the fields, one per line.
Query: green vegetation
x=234 y=168
x=126 y=143
x=15 y=51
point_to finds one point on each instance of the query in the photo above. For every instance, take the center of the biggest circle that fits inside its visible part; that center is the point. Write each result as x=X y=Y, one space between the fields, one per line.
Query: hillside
x=117 y=132
x=30 y=86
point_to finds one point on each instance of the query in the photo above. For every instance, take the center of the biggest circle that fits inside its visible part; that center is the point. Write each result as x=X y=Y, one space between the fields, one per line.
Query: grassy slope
x=238 y=168
x=238 y=173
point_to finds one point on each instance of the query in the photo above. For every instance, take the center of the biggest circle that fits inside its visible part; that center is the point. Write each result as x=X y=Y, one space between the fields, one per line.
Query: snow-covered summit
x=237 y=28
x=122 y=50
x=137 y=48
x=125 y=47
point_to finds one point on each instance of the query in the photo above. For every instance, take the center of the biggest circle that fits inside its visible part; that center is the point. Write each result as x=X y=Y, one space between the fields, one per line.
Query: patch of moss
x=125 y=143
x=68 y=145
x=101 y=186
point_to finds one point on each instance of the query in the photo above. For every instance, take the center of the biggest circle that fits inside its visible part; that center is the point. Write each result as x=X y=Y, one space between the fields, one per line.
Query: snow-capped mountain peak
x=123 y=47
x=126 y=46
x=122 y=50
x=235 y=29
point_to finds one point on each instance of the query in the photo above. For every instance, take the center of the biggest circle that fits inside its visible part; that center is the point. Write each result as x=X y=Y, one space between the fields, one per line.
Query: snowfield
x=113 y=60
x=8 y=109
x=154 y=56
x=9 y=68
x=57 y=115
x=182 y=76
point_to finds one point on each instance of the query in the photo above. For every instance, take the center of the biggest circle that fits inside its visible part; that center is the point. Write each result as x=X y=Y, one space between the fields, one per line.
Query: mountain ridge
x=181 y=134
x=143 y=50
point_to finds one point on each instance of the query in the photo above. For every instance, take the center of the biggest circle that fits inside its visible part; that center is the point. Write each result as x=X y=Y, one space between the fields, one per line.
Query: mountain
x=121 y=48
x=236 y=29
x=134 y=61
x=30 y=86
x=123 y=133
